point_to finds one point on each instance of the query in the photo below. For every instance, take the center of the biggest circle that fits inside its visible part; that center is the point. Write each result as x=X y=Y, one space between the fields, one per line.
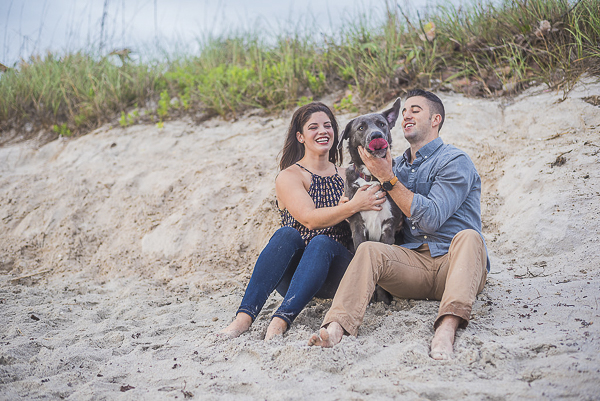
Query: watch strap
x=388 y=185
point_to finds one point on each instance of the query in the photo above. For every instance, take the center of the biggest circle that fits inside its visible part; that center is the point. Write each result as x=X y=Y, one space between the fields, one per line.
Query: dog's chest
x=374 y=219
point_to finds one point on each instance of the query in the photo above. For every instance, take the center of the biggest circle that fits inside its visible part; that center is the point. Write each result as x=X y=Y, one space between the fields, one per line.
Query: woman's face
x=317 y=134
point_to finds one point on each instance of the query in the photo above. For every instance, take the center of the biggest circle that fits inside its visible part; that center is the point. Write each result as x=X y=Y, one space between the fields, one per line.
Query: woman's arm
x=293 y=196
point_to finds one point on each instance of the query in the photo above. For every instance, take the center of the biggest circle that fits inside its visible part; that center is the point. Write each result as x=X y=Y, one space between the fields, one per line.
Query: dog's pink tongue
x=378 y=143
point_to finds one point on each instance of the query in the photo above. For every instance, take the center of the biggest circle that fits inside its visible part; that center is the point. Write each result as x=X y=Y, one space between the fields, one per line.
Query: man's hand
x=381 y=168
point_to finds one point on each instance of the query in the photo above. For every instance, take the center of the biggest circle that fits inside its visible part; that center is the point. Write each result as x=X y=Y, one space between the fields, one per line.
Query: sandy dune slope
x=122 y=252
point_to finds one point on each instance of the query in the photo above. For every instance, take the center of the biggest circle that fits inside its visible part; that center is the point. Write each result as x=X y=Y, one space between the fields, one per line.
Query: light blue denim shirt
x=447 y=196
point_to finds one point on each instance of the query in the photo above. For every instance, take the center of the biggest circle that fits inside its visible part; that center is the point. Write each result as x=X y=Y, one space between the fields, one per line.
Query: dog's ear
x=392 y=114
x=344 y=134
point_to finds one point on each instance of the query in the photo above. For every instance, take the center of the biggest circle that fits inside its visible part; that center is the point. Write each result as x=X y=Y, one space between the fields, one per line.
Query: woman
x=308 y=255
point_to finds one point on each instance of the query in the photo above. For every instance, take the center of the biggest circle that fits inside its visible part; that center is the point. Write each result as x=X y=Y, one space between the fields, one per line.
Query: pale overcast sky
x=34 y=26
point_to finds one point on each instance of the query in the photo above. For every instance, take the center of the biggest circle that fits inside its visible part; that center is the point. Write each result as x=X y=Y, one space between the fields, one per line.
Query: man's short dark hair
x=437 y=107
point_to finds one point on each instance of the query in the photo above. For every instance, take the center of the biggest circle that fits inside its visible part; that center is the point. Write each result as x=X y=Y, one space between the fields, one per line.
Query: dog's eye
x=381 y=124
x=361 y=128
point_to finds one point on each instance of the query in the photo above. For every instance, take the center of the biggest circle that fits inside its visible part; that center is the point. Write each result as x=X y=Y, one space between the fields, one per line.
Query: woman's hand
x=368 y=197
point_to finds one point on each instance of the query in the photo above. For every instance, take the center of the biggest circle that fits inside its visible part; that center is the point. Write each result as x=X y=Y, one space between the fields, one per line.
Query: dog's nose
x=376 y=135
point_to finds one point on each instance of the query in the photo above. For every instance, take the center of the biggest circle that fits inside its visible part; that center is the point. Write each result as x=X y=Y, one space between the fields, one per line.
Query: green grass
x=74 y=93
x=481 y=48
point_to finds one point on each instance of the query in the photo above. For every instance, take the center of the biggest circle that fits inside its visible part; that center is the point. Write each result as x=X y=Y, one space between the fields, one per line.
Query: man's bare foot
x=327 y=337
x=442 y=345
x=277 y=327
x=240 y=324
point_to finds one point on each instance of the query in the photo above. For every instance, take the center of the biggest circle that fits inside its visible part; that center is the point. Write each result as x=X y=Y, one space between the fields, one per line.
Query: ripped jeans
x=296 y=271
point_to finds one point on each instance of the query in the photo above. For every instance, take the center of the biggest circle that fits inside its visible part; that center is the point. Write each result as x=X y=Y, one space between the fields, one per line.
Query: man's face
x=417 y=122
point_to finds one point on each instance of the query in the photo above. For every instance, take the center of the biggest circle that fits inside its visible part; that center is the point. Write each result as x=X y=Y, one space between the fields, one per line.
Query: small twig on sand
x=529 y=274
x=186 y=394
x=558 y=135
x=560 y=159
x=30 y=274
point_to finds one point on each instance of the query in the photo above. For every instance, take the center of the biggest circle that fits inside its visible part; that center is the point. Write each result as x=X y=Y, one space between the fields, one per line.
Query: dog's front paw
x=381 y=295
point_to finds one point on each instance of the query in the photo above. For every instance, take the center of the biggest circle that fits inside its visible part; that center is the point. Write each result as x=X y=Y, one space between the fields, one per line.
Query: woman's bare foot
x=442 y=345
x=240 y=324
x=277 y=327
x=328 y=337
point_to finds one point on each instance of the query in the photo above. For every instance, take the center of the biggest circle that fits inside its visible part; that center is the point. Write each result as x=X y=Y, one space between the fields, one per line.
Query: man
x=443 y=256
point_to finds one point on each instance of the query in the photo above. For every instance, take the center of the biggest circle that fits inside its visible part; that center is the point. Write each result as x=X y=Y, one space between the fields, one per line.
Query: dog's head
x=371 y=131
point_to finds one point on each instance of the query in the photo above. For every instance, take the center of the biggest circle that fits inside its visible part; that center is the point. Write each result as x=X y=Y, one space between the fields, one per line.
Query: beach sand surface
x=123 y=252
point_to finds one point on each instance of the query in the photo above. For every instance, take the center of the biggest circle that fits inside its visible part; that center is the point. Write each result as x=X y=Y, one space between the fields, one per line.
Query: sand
x=123 y=251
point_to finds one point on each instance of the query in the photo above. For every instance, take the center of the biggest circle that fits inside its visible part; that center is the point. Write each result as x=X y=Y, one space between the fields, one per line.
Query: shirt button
x=413 y=170
x=426 y=157
x=413 y=227
x=425 y=236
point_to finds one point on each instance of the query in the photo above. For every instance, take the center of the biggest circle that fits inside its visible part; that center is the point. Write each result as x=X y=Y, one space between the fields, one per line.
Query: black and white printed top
x=325 y=192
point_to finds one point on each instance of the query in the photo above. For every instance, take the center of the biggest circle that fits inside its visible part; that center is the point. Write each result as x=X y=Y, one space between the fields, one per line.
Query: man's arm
x=449 y=190
x=451 y=186
x=381 y=168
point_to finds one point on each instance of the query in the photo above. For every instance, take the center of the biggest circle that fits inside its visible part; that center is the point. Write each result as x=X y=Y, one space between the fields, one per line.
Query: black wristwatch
x=388 y=185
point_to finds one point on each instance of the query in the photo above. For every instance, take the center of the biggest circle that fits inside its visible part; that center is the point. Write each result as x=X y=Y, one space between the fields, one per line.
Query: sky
x=30 y=27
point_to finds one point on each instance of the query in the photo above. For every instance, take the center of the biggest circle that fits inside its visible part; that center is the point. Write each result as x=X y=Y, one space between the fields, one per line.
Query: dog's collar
x=366 y=177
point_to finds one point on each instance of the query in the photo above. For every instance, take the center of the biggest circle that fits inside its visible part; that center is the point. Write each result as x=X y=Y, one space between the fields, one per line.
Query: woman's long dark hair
x=294 y=150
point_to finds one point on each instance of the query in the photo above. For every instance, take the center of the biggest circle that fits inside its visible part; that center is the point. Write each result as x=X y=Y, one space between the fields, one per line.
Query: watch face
x=387 y=186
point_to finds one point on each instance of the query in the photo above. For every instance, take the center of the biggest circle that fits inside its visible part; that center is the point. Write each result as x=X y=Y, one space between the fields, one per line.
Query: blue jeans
x=296 y=271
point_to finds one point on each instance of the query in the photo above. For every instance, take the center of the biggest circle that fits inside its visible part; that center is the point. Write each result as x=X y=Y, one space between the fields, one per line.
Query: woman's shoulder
x=292 y=171
x=292 y=174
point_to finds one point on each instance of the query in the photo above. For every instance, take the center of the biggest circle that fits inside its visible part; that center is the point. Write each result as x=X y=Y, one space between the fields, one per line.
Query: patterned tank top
x=325 y=192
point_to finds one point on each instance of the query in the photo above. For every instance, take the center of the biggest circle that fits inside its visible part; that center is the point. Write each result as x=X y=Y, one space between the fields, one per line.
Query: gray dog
x=371 y=131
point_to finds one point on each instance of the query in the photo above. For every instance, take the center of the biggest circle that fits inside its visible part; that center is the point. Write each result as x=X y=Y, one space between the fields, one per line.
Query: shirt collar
x=425 y=151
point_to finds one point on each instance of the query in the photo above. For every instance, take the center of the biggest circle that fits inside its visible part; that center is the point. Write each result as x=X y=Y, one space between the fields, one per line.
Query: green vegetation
x=481 y=49
x=62 y=130
x=130 y=118
x=72 y=94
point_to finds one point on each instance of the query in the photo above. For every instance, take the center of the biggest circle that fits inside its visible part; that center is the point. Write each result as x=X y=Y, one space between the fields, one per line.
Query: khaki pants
x=455 y=278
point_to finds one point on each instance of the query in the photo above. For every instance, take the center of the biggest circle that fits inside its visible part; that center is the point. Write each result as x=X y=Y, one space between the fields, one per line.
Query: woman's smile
x=317 y=134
